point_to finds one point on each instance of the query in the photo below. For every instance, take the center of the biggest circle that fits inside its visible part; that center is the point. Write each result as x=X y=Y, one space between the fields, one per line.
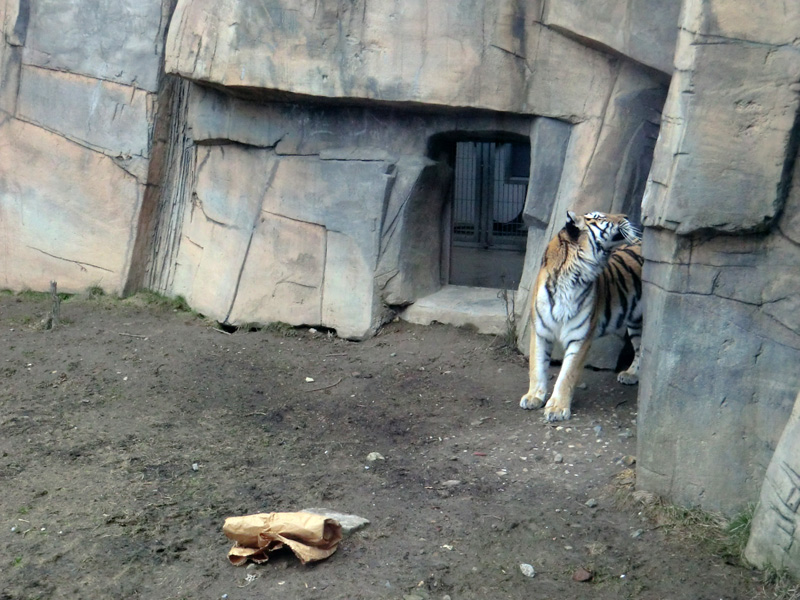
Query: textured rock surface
x=57 y=222
x=642 y=30
x=722 y=336
x=728 y=121
x=478 y=54
x=111 y=41
x=775 y=538
x=78 y=111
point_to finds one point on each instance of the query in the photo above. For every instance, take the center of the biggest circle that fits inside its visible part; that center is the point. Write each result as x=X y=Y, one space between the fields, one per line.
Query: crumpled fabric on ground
x=311 y=537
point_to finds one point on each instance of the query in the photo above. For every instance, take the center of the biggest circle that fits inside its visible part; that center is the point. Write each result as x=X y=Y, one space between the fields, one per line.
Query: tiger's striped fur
x=589 y=284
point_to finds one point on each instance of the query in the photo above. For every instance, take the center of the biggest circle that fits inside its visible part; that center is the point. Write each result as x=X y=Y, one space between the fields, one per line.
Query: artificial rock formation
x=775 y=538
x=284 y=161
x=722 y=336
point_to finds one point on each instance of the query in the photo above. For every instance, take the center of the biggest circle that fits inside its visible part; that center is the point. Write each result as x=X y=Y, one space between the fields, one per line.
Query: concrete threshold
x=482 y=308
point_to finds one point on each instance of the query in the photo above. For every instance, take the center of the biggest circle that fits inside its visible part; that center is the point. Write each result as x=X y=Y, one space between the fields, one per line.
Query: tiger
x=589 y=285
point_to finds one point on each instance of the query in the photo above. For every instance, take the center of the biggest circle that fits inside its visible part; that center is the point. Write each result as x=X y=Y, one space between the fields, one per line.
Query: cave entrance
x=486 y=235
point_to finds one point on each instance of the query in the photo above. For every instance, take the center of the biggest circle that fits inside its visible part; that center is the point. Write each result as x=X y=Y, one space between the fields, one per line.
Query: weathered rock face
x=77 y=101
x=500 y=56
x=775 y=538
x=722 y=335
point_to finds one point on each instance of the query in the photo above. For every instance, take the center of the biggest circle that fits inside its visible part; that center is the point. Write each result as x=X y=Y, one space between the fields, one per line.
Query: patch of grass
x=29 y=294
x=95 y=291
x=724 y=537
x=779 y=585
x=154 y=299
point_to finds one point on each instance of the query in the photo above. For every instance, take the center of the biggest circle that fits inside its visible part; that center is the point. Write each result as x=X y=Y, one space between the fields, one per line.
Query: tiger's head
x=600 y=233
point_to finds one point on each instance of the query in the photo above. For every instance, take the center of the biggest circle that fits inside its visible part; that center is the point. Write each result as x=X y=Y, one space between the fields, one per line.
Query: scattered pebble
x=373 y=456
x=309 y=379
x=195 y=467
x=591 y=503
x=527 y=570
x=582 y=574
x=637 y=534
x=558 y=458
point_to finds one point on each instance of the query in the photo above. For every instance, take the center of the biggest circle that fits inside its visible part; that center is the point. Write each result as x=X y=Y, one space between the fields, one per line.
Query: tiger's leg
x=630 y=376
x=539 y=360
x=558 y=408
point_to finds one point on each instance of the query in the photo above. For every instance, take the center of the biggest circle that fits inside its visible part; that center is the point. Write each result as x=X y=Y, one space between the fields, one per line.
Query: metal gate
x=488 y=232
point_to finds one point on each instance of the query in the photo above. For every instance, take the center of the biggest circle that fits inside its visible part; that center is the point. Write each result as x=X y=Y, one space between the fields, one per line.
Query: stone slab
x=282 y=276
x=226 y=205
x=720 y=160
x=421 y=52
x=69 y=214
x=480 y=308
x=727 y=372
x=113 y=118
x=643 y=30
x=116 y=41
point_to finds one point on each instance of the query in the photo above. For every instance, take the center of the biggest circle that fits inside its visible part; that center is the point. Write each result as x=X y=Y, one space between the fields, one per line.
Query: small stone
x=558 y=458
x=629 y=460
x=637 y=534
x=373 y=456
x=582 y=574
x=309 y=379
x=450 y=483
x=591 y=503
x=195 y=467
x=598 y=430
x=582 y=386
x=349 y=523
x=527 y=570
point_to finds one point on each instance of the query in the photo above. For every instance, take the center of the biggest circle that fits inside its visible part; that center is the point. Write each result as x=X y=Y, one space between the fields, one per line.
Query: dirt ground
x=129 y=433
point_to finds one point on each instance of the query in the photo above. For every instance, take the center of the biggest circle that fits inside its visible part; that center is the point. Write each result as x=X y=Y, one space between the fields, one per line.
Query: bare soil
x=129 y=433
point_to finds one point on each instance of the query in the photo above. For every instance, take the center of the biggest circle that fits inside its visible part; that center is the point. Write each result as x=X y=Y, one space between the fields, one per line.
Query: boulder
x=775 y=529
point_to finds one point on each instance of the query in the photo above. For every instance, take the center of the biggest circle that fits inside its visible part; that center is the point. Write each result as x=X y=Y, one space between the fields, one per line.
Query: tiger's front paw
x=628 y=378
x=557 y=411
x=532 y=400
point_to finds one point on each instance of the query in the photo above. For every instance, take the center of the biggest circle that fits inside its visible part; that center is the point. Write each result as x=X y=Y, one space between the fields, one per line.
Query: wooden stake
x=56 y=312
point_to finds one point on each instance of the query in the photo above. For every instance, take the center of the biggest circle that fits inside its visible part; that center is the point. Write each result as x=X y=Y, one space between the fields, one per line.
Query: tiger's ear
x=572 y=225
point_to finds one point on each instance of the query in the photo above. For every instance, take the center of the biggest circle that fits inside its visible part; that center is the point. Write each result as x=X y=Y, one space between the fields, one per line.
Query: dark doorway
x=487 y=234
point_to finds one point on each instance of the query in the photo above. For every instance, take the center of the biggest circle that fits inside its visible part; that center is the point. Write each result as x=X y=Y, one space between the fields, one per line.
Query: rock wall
x=374 y=159
x=721 y=343
x=79 y=83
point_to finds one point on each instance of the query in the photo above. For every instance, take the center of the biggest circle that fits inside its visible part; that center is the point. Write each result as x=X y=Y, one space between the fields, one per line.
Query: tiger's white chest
x=562 y=304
